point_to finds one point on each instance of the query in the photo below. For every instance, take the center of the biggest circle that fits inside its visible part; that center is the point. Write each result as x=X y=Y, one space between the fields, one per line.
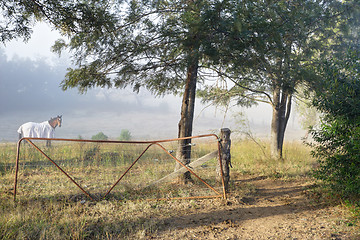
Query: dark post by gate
x=225 y=157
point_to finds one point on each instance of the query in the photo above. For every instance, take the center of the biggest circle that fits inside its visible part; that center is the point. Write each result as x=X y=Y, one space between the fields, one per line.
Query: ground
x=271 y=209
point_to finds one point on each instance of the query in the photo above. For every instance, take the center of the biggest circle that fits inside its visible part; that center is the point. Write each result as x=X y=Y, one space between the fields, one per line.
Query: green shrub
x=339 y=156
x=125 y=135
x=99 y=136
x=338 y=139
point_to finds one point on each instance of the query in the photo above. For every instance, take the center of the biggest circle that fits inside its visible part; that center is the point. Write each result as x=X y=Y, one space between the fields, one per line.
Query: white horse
x=40 y=130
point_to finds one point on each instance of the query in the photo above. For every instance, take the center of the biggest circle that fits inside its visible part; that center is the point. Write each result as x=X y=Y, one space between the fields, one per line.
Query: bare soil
x=270 y=209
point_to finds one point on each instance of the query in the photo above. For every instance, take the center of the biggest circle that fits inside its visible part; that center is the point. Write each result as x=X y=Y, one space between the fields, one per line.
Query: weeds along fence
x=74 y=169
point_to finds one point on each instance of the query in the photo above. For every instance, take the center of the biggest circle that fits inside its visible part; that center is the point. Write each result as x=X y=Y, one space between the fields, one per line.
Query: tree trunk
x=186 y=120
x=281 y=114
x=183 y=153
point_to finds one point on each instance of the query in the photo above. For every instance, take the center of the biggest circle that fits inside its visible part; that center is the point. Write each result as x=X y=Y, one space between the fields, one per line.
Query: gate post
x=225 y=145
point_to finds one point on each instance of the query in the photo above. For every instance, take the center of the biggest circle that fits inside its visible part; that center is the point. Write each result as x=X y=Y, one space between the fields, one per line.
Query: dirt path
x=271 y=209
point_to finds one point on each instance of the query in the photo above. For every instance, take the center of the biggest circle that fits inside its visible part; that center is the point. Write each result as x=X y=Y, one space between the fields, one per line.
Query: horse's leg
x=48 y=143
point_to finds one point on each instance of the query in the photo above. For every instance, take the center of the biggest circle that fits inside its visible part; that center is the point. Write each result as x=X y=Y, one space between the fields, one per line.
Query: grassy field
x=50 y=206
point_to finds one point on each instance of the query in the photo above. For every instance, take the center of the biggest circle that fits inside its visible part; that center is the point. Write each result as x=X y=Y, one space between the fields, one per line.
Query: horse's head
x=58 y=120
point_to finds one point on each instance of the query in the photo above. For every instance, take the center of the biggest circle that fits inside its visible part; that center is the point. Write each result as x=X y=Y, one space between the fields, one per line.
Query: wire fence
x=77 y=169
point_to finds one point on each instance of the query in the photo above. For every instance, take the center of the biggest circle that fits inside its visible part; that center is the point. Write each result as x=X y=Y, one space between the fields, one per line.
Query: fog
x=30 y=76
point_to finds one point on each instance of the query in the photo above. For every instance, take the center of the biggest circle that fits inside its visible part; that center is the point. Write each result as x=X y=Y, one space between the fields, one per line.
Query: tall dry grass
x=253 y=158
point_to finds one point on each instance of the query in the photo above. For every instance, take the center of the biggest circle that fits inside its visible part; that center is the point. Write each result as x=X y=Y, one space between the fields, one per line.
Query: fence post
x=225 y=144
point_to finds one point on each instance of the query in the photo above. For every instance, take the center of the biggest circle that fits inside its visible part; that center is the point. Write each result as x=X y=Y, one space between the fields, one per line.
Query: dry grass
x=250 y=158
x=49 y=206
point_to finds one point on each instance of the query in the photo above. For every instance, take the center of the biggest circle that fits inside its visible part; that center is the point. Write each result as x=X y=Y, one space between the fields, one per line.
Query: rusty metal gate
x=147 y=145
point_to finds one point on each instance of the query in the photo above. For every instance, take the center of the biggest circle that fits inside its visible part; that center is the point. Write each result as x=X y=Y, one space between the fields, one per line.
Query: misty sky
x=30 y=76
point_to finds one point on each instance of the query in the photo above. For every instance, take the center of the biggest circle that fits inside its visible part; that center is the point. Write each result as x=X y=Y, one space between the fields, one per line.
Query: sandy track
x=271 y=209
